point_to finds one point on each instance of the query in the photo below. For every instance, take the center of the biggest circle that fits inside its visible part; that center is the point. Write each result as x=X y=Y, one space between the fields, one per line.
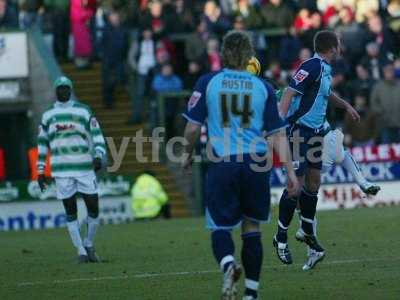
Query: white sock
x=73 y=229
x=93 y=224
x=351 y=166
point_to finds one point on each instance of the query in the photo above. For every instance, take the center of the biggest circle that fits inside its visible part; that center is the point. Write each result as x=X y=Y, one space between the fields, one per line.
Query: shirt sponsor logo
x=194 y=99
x=300 y=76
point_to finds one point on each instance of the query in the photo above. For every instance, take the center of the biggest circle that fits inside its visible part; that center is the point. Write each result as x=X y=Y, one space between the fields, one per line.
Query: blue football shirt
x=312 y=81
x=238 y=108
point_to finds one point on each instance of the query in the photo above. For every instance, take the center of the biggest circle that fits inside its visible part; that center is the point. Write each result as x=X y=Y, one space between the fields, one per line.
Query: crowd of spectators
x=164 y=45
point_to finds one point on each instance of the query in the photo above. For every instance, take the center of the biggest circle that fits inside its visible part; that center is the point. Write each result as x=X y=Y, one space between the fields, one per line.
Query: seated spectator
x=363 y=83
x=277 y=14
x=213 y=55
x=165 y=82
x=216 y=22
x=195 y=43
x=385 y=102
x=8 y=15
x=115 y=48
x=250 y=14
x=374 y=60
x=351 y=35
x=363 y=132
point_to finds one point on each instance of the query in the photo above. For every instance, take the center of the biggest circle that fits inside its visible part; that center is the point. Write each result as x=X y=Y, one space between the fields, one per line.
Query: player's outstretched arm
x=191 y=135
x=341 y=103
x=280 y=145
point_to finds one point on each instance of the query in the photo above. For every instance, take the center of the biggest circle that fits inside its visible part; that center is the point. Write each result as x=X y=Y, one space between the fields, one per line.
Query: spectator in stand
x=330 y=15
x=351 y=35
x=156 y=18
x=195 y=43
x=184 y=17
x=8 y=15
x=277 y=14
x=302 y=22
x=166 y=81
x=228 y=6
x=195 y=70
x=59 y=13
x=250 y=13
x=81 y=14
x=289 y=49
x=385 y=102
x=307 y=37
x=213 y=55
x=276 y=74
x=304 y=55
x=142 y=58
x=374 y=60
x=363 y=83
x=215 y=21
x=364 y=9
x=115 y=48
x=380 y=34
x=30 y=12
x=363 y=132
x=393 y=19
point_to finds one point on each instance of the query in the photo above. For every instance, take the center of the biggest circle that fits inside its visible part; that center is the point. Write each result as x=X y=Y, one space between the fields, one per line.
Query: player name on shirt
x=237 y=84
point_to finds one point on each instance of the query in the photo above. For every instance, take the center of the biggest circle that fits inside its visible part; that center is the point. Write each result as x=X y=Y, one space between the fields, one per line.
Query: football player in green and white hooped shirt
x=73 y=136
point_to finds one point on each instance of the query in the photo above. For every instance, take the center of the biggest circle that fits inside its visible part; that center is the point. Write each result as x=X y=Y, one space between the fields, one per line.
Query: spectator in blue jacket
x=163 y=82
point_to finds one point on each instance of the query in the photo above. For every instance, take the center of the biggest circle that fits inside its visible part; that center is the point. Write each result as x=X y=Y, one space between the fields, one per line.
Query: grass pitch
x=172 y=260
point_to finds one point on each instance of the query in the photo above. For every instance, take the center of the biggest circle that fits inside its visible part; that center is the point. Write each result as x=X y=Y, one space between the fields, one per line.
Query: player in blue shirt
x=304 y=105
x=239 y=109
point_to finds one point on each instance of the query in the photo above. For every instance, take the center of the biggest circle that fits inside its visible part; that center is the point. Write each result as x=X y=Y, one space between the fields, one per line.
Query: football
x=254 y=66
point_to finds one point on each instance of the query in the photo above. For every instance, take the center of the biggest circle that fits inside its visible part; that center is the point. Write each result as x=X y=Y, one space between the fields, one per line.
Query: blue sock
x=223 y=248
x=308 y=206
x=252 y=257
x=287 y=207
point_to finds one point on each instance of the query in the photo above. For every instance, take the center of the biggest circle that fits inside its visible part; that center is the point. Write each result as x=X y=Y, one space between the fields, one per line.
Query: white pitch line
x=184 y=273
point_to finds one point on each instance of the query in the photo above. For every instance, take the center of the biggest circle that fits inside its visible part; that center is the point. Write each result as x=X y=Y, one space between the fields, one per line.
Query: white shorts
x=333 y=151
x=68 y=186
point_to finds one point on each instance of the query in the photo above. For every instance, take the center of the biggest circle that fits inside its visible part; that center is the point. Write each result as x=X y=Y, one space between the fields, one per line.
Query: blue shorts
x=235 y=191
x=307 y=153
